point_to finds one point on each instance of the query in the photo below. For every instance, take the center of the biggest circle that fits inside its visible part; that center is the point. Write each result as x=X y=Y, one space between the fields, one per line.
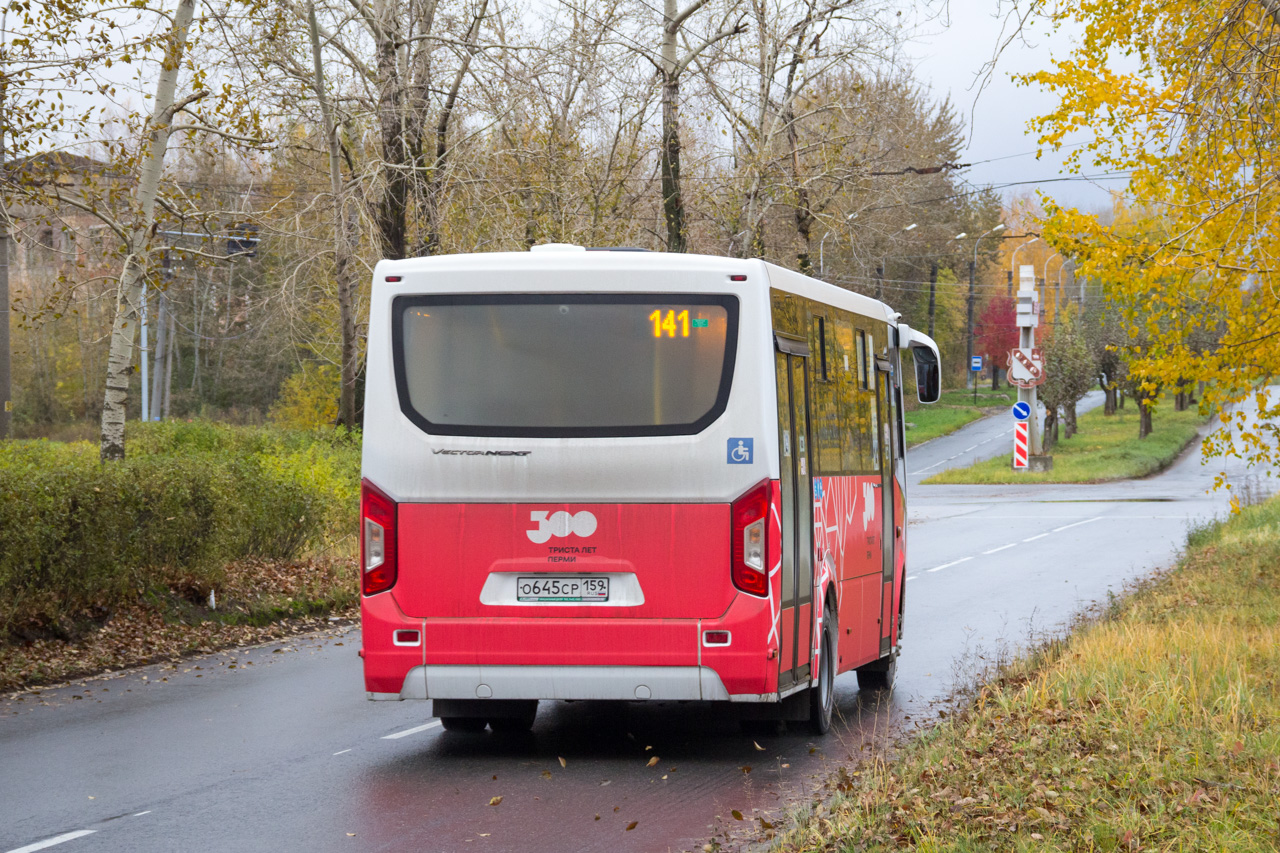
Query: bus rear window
x=564 y=364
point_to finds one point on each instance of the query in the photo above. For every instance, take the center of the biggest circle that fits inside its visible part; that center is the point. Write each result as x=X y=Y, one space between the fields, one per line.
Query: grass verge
x=953 y=410
x=1156 y=727
x=1107 y=447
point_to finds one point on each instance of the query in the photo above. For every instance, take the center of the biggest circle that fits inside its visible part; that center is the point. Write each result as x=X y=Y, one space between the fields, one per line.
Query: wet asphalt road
x=276 y=748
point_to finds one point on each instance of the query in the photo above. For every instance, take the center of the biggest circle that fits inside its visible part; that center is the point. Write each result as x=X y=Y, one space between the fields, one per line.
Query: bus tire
x=880 y=675
x=519 y=722
x=463 y=724
x=822 y=696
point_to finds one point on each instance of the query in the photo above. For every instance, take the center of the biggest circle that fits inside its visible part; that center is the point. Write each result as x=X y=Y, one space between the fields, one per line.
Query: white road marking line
x=1077 y=524
x=343 y=752
x=412 y=731
x=57 y=839
x=984 y=442
x=967 y=449
x=1034 y=538
x=949 y=565
x=140 y=814
x=912 y=577
x=1001 y=548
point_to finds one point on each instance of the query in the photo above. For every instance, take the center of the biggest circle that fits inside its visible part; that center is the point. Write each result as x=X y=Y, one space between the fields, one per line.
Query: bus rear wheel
x=822 y=697
x=879 y=675
x=517 y=718
x=463 y=724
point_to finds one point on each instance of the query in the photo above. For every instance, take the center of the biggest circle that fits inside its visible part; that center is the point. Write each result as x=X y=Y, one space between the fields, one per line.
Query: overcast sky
x=950 y=55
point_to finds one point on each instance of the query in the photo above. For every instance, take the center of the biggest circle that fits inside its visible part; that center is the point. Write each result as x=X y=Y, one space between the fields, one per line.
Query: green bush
x=77 y=536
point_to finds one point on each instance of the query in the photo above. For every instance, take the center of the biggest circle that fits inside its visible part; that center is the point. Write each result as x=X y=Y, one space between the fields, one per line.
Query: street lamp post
x=885 y=260
x=822 y=269
x=973 y=274
x=1013 y=261
x=1045 y=279
x=933 y=284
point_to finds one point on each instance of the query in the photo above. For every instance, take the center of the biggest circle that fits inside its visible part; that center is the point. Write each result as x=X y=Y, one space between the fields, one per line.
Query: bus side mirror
x=928 y=375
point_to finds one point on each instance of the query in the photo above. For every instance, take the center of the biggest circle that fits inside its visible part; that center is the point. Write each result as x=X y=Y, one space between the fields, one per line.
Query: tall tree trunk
x=672 y=198
x=1069 y=418
x=342 y=266
x=137 y=264
x=1146 y=400
x=391 y=215
x=804 y=207
x=433 y=202
x=1050 y=435
x=6 y=387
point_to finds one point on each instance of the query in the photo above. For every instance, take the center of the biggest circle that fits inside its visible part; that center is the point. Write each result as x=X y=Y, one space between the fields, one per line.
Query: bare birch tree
x=124 y=190
x=343 y=272
x=676 y=54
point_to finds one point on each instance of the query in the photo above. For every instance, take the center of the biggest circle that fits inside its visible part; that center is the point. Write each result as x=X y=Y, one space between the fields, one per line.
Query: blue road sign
x=975 y=363
x=1021 y=411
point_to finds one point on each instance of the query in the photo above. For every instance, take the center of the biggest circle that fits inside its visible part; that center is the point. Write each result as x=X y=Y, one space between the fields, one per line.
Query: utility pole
x=1009 y=273
x=968 y=355
x=162 y=341
x=880 y=281
x=933 y=289
x=1028 y=319
x=6 y=387
x=973 y=276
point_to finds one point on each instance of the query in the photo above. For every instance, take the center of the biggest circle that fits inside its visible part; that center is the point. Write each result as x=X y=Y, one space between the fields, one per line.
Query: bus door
x=888 y=541
x=796 y=619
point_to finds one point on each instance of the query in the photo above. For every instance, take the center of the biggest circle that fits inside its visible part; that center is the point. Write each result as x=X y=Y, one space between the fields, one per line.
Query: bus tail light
x=750 y=515
x=377 y=540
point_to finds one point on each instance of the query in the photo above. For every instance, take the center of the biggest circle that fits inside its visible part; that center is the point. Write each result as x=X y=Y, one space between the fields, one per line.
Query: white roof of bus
x=573 y=258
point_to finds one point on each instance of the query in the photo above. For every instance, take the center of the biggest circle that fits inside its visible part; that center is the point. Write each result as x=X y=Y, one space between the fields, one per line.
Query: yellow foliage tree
x=309 y=398
x=1182 y=94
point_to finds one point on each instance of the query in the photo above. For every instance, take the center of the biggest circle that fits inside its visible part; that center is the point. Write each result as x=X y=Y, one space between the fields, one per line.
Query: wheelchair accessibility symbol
x=741 y=450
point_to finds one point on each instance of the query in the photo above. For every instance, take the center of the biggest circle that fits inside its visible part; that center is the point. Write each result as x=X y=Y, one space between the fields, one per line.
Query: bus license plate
x=551 y=588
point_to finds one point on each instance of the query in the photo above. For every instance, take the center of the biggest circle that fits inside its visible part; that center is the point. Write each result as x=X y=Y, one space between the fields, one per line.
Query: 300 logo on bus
x=560 y=524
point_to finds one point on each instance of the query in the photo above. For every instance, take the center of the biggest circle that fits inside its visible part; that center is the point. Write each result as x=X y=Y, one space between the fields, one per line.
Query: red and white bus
x=620 y=475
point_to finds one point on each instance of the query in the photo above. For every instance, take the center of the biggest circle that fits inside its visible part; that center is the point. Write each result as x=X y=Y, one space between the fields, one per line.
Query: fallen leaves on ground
x=164 y=629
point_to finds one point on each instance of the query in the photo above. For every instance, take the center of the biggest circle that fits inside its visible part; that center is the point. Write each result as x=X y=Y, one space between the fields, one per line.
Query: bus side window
x=862 y=358
x=898 y=417
x=874 y=431
x=851 y=428
x=824 y=423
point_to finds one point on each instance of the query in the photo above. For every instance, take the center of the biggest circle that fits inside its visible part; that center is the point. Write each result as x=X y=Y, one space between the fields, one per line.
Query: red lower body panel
x=748 y=665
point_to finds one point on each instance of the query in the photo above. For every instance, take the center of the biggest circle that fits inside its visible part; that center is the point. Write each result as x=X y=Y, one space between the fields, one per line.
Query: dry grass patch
x=1156 y=728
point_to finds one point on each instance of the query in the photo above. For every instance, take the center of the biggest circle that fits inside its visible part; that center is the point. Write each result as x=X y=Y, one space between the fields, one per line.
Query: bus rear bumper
x=672 y=683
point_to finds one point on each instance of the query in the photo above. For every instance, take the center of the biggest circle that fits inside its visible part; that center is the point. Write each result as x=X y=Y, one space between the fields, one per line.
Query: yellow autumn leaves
x=1182 y=96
